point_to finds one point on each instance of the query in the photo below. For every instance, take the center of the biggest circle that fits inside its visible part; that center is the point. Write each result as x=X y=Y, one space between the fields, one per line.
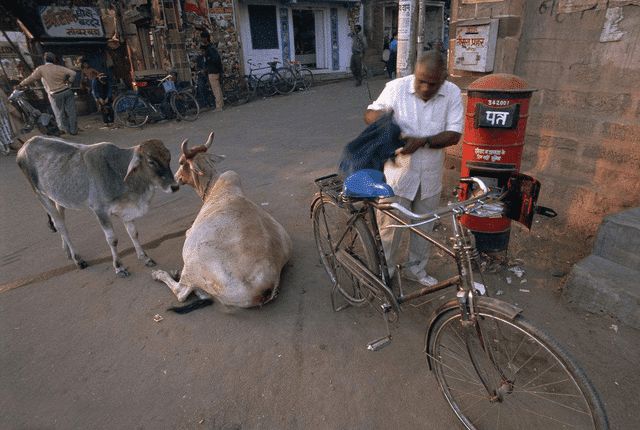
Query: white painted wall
x=256 y=55
x=262 y=56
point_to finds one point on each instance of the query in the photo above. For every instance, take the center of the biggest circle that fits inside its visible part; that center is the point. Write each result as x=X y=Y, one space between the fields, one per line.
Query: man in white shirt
x=429 y=111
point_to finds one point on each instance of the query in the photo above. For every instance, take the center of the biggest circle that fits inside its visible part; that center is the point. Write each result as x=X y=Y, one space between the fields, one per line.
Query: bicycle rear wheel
x=285 y=80
x=329 y=226
x=185 y=105
x=131 y=110
x=266 y=87
x=306 y=78
x=531 y=383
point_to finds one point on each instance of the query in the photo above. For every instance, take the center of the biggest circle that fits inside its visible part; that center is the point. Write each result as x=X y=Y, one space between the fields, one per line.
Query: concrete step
x=602 y=286
x=618 y=238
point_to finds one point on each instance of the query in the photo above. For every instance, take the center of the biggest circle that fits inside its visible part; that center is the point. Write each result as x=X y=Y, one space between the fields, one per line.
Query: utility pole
x=420 y=35
x=406 y=37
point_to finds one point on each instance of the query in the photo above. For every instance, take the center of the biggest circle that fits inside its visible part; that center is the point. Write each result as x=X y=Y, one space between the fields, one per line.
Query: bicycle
x=493 y=366
x=155 y=100
x=280 y=80
x=303 y=75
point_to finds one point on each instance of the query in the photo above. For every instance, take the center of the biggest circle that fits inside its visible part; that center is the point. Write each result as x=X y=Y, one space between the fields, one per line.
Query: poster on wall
x=404 y=19
x=63 y=21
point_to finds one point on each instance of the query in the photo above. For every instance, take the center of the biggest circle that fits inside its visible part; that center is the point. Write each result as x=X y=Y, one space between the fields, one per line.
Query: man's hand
x=412 y=144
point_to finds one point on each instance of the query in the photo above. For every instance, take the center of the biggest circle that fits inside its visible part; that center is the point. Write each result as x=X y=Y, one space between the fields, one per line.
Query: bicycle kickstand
x=378 y=344
x=333 y=300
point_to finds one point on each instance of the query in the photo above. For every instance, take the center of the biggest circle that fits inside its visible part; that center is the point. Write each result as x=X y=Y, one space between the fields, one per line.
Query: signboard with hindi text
x=496 y=117
x=71 y=21
x=475 y=45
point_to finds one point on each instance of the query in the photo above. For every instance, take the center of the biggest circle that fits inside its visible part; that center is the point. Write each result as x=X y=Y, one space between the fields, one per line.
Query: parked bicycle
x=495 y=368
x=303 y=75
x=156 y=100
x=280 y=80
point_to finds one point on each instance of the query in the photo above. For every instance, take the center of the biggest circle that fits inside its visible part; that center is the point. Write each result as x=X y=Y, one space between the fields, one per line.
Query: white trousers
x=419 y=248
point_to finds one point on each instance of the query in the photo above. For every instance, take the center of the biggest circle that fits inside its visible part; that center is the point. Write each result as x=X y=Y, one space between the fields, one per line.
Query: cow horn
x=185 y=151
x=209 y=141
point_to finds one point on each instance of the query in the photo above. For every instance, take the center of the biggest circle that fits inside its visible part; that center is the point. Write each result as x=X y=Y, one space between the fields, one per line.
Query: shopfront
x=316 y=33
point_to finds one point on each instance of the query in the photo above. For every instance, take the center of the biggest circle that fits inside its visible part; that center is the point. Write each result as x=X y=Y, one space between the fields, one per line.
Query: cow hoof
x=81 y=264
x=149 y=262
x=122 y=272
x=157 y=275
x=175 y=274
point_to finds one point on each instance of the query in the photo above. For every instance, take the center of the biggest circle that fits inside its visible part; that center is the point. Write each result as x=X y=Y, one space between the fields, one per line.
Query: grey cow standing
x=107 y=179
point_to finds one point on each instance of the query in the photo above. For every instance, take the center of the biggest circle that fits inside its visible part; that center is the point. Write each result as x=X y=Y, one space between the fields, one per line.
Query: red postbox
x=494 y=131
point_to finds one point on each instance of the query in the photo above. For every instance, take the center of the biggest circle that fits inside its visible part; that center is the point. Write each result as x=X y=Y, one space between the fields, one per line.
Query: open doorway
x=304 y=37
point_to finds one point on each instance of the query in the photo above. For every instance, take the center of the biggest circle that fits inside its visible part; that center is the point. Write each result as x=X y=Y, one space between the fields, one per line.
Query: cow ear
x=133 y=164
x=195 y=168
x=216 y=158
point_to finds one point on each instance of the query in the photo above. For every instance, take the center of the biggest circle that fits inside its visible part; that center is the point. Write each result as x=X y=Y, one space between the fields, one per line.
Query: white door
x=321 y=51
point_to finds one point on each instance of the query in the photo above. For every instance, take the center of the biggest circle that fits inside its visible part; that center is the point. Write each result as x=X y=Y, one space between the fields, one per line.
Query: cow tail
x=196 y=304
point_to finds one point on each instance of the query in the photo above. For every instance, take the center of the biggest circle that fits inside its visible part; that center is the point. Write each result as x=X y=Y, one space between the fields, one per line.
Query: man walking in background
x=428 y=109
x=213 y=69
x=57 y=83
x=358 y=46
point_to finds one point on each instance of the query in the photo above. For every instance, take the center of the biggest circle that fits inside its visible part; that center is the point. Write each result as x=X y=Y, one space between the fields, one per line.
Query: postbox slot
x=496 y=117
x=494 y=175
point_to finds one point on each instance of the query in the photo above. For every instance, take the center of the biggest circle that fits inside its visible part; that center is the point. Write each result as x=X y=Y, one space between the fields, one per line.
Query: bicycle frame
x=463 y=250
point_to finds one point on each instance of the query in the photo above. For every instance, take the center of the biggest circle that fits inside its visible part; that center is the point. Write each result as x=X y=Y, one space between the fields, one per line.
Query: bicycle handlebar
x=452 y=207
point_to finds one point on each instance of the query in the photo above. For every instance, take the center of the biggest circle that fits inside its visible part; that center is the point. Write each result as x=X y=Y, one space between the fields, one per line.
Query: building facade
x=583 y=134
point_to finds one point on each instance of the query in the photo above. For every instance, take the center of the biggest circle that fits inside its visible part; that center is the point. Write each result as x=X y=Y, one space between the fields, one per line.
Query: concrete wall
x=583 y=135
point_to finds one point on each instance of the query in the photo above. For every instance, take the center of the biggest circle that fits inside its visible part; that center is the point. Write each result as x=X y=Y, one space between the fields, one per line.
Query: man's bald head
x=430 y=73
x=433 y=61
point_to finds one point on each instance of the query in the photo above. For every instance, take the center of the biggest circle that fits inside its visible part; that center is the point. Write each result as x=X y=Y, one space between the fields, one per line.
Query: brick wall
x=583 y=139
x=583 y=135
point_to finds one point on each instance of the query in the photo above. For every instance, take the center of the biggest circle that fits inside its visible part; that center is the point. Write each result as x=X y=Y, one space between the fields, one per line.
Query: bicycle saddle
x=366 y=184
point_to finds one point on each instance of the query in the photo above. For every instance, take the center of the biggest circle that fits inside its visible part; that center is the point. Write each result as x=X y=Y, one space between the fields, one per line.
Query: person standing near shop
x=393 y=55
x=428 y=109
x=358 y=46
x=101 y=91
x=57 y=82
x=213 y=69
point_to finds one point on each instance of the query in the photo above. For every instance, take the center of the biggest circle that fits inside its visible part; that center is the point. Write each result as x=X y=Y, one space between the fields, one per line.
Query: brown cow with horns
x=234 y=251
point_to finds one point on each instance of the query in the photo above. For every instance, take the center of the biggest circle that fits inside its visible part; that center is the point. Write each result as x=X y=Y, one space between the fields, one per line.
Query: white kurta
x=421 y=170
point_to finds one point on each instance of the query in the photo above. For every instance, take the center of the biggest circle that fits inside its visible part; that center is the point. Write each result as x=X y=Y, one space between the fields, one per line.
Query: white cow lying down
x=234 y=251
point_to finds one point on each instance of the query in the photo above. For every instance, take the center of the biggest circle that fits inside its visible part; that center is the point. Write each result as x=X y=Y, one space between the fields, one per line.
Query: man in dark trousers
x=57 y=82
x=213 y=69
x=101 y=91
x=358 y=46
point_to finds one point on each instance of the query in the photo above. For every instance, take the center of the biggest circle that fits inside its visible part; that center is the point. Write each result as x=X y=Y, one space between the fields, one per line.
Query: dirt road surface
x=81 y=349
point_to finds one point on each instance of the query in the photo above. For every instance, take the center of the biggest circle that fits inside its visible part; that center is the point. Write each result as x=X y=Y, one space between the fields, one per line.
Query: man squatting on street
x=57 y=82
x=428 y=110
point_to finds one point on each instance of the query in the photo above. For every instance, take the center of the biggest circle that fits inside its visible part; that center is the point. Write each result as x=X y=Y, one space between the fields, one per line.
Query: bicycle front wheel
x=131 y=110
x=285 y=81
x=306 y=78
x=332 y=233
x=185 y=105
x=526 y=379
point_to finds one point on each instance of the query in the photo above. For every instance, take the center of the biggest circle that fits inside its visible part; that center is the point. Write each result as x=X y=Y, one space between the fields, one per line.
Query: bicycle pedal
x=378 y=344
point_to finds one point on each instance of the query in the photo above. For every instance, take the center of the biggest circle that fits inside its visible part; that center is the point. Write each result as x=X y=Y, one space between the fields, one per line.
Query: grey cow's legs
x=112 y=240
x=57 y=217
x=133 y=234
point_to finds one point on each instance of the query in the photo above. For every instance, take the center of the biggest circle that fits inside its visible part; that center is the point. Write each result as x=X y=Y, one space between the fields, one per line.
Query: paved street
x=81 y=349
